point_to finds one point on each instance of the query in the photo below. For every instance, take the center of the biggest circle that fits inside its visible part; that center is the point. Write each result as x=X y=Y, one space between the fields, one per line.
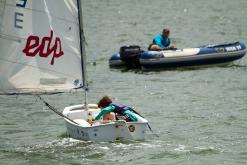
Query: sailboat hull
x=98 y=131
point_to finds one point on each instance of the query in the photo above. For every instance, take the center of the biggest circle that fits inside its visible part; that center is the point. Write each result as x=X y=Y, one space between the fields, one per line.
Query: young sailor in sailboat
x=161 y=41
x=113 y=111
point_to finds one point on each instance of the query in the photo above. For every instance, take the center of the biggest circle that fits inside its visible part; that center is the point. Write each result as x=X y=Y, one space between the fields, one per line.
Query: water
x=199 y=114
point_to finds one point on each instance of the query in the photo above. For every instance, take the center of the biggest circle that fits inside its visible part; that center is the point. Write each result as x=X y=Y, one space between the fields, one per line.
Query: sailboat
x=43 y=52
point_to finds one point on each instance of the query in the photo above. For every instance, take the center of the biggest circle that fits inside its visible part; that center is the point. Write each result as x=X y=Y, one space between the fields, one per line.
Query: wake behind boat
x=134 y=57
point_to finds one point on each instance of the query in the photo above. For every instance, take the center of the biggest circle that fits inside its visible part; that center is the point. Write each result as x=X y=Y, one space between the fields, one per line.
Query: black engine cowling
x=130 y=55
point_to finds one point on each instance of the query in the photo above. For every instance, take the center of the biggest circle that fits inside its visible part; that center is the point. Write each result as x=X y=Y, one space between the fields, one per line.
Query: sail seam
x=41 y=91
x=24 y=64
x=40 y=11
x=3 y=15
x=11 y=38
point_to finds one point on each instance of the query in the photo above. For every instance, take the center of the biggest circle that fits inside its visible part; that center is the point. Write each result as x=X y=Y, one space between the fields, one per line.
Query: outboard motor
x=130 y=55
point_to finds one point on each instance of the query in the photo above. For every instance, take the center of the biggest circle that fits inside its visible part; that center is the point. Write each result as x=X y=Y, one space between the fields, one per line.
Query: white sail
x=40 y=46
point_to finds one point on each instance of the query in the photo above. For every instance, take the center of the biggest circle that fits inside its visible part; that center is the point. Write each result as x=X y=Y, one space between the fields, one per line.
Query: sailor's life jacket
x=124 y=112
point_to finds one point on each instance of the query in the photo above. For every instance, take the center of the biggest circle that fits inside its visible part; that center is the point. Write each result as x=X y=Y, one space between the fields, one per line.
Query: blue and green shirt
x=161 y=41
x=112 y=108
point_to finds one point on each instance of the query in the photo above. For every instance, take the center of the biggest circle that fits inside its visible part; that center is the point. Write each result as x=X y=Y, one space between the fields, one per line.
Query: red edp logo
x=43 y=47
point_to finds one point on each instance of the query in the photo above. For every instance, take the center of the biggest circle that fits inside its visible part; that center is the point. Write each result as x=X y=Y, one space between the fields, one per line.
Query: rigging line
x=83 y=52
x=38 y=68
x=147 y=123
x=55 y=110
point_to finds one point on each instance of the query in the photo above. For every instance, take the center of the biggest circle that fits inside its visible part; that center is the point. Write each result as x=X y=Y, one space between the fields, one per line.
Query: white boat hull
x=98 y=131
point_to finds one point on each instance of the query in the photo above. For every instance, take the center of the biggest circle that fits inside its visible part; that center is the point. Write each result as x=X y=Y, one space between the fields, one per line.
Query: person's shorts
x=149 y=47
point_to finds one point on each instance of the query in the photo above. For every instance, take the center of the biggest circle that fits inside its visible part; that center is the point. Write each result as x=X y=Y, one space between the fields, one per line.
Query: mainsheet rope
x=55 y=110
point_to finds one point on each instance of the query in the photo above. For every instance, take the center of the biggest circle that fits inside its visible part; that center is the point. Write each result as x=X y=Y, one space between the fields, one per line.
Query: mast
x=83 y=52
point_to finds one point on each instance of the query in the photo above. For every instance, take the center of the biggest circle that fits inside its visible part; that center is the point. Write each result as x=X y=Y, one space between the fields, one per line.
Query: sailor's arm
x=104 y=111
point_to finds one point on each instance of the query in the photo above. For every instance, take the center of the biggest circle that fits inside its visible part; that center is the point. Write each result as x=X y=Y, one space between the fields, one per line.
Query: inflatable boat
x=134 y=57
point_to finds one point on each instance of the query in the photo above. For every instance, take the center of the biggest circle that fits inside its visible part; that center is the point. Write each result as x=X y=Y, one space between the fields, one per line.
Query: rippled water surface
x=199 y=114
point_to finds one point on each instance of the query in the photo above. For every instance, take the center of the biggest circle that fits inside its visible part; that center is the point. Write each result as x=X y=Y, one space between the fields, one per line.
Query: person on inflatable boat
x=161 y=41
x=113 y=111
